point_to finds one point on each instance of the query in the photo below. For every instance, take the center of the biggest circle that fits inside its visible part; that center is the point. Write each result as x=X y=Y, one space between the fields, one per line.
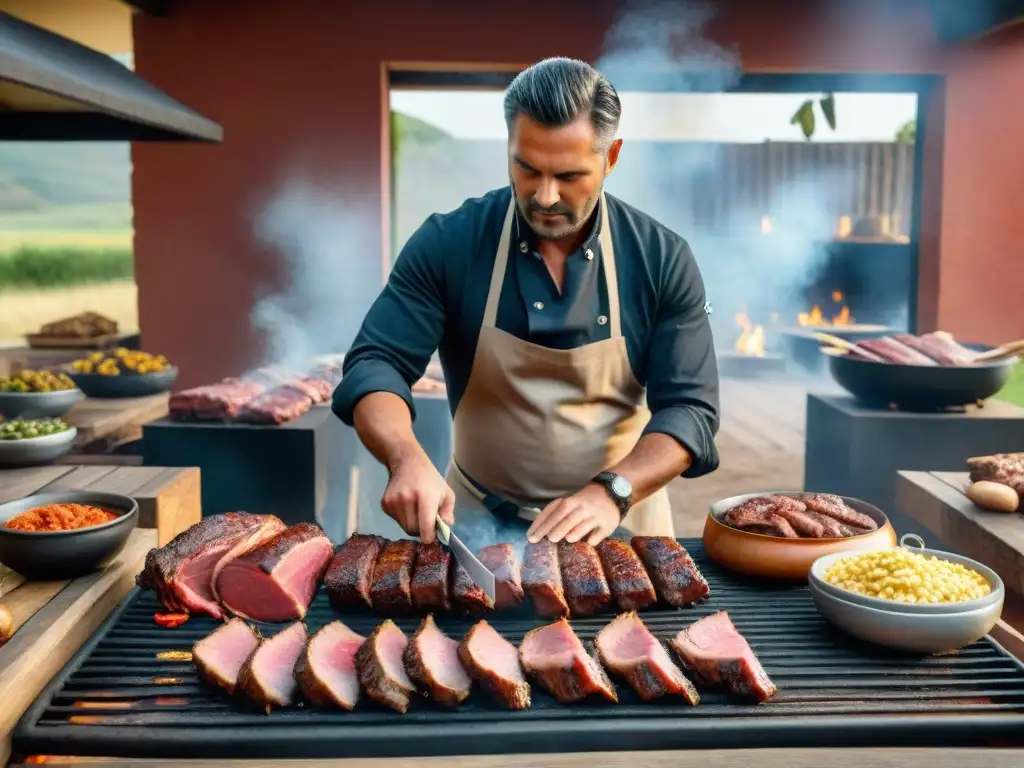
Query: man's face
x=557 y=174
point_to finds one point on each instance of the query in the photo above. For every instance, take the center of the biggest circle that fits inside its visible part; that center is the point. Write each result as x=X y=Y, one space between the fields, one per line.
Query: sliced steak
x=833 y=506
x=277 y=580
x=757 y=515
x=382 y=669
x=794 y=512
x=220 y=655
x=432 y=661
x=627 y=648
x=430 y=579
x=182 y=571
x=350 y=573
x=831 y=529
x=391 y=590
x=716 y=653
x=493 y=662
x=677 y=580
x=586 y=588
x=469 y=599
x=555 y=657
x=326 y=669
x=627 y=578
x=542 y=580
x=503 y=562
x=268 y=675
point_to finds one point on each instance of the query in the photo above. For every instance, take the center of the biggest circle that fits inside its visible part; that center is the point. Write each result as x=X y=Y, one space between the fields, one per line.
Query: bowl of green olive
x=38 y=395
x=31 y=442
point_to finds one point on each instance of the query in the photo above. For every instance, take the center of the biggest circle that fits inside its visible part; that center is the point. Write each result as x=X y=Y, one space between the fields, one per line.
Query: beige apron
x=536 y=424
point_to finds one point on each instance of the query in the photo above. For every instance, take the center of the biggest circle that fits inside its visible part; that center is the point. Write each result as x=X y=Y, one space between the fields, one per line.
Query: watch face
x=621 y=487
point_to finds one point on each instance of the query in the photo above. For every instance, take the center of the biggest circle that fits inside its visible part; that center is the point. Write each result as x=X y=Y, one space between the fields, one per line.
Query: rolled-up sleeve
x=682 y=372
x=402 y=329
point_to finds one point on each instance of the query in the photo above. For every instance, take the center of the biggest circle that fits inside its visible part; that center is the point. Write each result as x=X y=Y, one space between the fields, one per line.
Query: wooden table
x=169 y=498
x=104 y=424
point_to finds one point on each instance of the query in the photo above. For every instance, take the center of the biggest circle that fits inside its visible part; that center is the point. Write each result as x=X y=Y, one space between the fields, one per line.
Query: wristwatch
x=619 y=488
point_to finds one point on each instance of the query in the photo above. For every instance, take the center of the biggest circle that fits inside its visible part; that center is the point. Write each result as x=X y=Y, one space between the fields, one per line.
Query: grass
x=1013 y=392
x=103 y=238
x=25 y=311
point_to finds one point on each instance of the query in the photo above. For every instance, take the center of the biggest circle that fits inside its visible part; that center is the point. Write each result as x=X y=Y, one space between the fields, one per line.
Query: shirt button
x=601 y=319
x=538 y=305
x=523 y=247
x=589 y=254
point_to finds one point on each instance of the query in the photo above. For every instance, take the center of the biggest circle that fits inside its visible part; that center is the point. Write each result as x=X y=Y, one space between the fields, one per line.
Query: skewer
x=1003 y=351
x=848 y=346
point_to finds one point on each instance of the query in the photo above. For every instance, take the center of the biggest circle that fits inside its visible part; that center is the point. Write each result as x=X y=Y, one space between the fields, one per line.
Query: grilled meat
x=586 y=588
x=893 y=351
x=627 y=648
x=219 y=656
x=182 y=571
x=391 y=590
x=315 y=388
x=430 y=579
x=677 y=580
x=277 y=406
x=268 y=675
x=831 y=529
x=941 y=349
x=469 y=599
x=757 y=515
x=556 y=658
x=503 y=562
x=1004 y=468
x=381 y=668
x=349 y=574
x=214 y=402
x=542 y=580
x=716 y=653
x=278 y=580
x=326 y=668
x=432 y=661
x=627 y=578
x=493 y=662
x=833 y=506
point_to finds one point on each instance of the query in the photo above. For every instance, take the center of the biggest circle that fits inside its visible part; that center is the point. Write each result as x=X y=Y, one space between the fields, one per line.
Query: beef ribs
x=493 y=662
x=677 y=580
x=268 y=675
x=626 y=576
x=326 y=668
x=716 y=653
x=833 y=506
x=757 y=515
x=220 y=655
x=391 y=589
x=315 y=388
x=542 y=580
x=277 y=406
x=182 y=571
x=627 y=648
x=432 y=661
x=382 y=669
x=430 y=579
x=350 y=572
x=556 y=658
x=586 y=588
x=503 y=562
x=277 y=580
x=469 y=599
x=895 y=352
x=222 y=401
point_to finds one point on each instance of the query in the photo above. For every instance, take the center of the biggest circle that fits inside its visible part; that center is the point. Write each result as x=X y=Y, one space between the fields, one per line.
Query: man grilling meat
x=573 y=331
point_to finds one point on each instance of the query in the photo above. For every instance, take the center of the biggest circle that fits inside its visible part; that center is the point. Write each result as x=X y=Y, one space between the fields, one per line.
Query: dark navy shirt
x=435 y=297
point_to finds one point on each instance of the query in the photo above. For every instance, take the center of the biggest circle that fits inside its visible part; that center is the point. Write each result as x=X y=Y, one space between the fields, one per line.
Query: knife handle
x=443 y=531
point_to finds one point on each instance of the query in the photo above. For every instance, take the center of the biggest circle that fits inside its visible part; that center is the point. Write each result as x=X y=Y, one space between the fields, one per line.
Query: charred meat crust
x=586 y=588
x=420 y=673
x=391 y=590
x=677 y=580
x=542 y=580
x=313 y=689
x=348 y=577
x=430 y=579
x=628 y=579
x=374 y=679
x=503 y=562
x=513 y=694
x=469 y=599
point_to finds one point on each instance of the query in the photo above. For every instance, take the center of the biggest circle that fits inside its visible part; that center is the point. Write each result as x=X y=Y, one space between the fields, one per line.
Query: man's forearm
x=384 y=425
x=654 y=462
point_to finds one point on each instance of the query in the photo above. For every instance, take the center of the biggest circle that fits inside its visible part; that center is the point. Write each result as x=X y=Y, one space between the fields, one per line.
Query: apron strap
x=500 y=263
x=611 y=278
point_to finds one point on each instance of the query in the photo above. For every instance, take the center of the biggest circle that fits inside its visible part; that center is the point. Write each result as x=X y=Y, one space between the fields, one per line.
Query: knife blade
x=482 y=577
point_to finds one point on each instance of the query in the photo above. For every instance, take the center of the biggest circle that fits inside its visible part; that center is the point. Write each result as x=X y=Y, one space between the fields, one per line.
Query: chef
x=572 y=329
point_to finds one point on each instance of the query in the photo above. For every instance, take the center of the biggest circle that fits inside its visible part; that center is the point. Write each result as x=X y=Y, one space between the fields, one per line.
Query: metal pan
x=920 y=387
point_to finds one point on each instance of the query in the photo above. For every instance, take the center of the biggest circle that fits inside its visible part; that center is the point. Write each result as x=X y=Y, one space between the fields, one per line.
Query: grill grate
x=117 y=698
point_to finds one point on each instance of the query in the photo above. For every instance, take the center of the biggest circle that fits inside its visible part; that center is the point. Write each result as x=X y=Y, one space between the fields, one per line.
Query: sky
x=733 y=117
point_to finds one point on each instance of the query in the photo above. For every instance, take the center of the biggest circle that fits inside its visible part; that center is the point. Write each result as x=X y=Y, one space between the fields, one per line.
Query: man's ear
x=613 y=157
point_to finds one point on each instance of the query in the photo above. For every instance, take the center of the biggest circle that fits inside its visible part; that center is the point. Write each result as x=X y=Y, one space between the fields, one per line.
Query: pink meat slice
x=277 y=580
x=627 y=648
x=326 y=669
x=556 y=658
x=717 y=654
x=503 y=562
x=493 y=661
x=432 y=661
x=268 y=675
x=381 y=667
x=219 y=656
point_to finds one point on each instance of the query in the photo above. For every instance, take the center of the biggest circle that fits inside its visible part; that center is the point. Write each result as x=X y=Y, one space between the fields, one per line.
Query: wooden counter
x=104 y=424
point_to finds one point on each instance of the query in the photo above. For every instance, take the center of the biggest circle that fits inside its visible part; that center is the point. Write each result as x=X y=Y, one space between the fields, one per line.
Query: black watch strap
x=622 y=502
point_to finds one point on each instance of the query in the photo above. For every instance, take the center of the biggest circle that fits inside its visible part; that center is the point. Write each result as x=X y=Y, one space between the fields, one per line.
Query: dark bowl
x=54 y=555
x=126 y=384
x=38 y=405
x=920 y=387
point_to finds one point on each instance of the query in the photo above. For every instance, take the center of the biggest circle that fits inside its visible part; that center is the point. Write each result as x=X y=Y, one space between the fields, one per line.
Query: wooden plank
x=1008 y=637
x=18 y=483
x=112 y=422
x=992 y=538
x=171 y=502
x=78 y=479
x=45 y=643
x=25 y=601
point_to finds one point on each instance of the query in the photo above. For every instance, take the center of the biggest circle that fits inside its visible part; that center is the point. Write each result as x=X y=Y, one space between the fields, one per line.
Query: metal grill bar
x=117 y=697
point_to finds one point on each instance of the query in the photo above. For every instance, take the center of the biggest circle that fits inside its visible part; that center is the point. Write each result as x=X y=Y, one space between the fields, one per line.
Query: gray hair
x=556 y=91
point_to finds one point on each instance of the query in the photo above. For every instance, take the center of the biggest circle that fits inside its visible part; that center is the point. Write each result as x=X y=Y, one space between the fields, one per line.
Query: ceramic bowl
x=775 y=557
x=125 y=385
x=34 y=451
x=998 y=593
x=51 y=555
x=914 y=632
x=38 y=405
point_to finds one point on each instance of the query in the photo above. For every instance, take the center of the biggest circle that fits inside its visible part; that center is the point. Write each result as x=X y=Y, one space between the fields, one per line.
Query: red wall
x=299 y=84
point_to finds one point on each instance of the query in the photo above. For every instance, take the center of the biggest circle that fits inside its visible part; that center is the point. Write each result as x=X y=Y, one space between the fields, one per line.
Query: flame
x=751 y=339
x=816 y=317
x=837 y=297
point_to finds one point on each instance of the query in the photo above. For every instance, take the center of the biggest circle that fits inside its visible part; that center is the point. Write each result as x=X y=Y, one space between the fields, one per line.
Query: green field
x=1013 y=392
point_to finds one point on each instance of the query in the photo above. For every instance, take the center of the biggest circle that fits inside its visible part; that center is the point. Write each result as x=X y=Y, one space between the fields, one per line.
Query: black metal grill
x=117 y=698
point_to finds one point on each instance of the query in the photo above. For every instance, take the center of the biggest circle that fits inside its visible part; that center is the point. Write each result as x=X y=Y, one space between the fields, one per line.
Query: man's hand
x=589 y=513
x=416 y=495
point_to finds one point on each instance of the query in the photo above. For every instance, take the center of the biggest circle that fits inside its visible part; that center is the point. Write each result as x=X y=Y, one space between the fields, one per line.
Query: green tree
x=907 y=134
x=804 y=116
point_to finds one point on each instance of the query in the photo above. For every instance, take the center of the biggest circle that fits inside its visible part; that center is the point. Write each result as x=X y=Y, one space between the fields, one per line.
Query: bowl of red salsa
x=65 y=534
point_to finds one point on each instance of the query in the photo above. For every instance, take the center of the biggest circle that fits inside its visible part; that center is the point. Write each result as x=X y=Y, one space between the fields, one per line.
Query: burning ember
x=751 y=339
x=817 y=317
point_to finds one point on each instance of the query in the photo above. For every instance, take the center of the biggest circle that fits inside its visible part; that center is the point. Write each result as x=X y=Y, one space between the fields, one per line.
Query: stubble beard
x=548 y=231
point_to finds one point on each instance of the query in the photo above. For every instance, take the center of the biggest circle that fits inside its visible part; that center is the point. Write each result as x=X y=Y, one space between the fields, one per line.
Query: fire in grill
x=125 y=694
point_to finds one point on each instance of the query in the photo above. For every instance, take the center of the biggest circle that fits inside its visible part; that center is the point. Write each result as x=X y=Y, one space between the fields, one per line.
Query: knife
x=482 y=577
